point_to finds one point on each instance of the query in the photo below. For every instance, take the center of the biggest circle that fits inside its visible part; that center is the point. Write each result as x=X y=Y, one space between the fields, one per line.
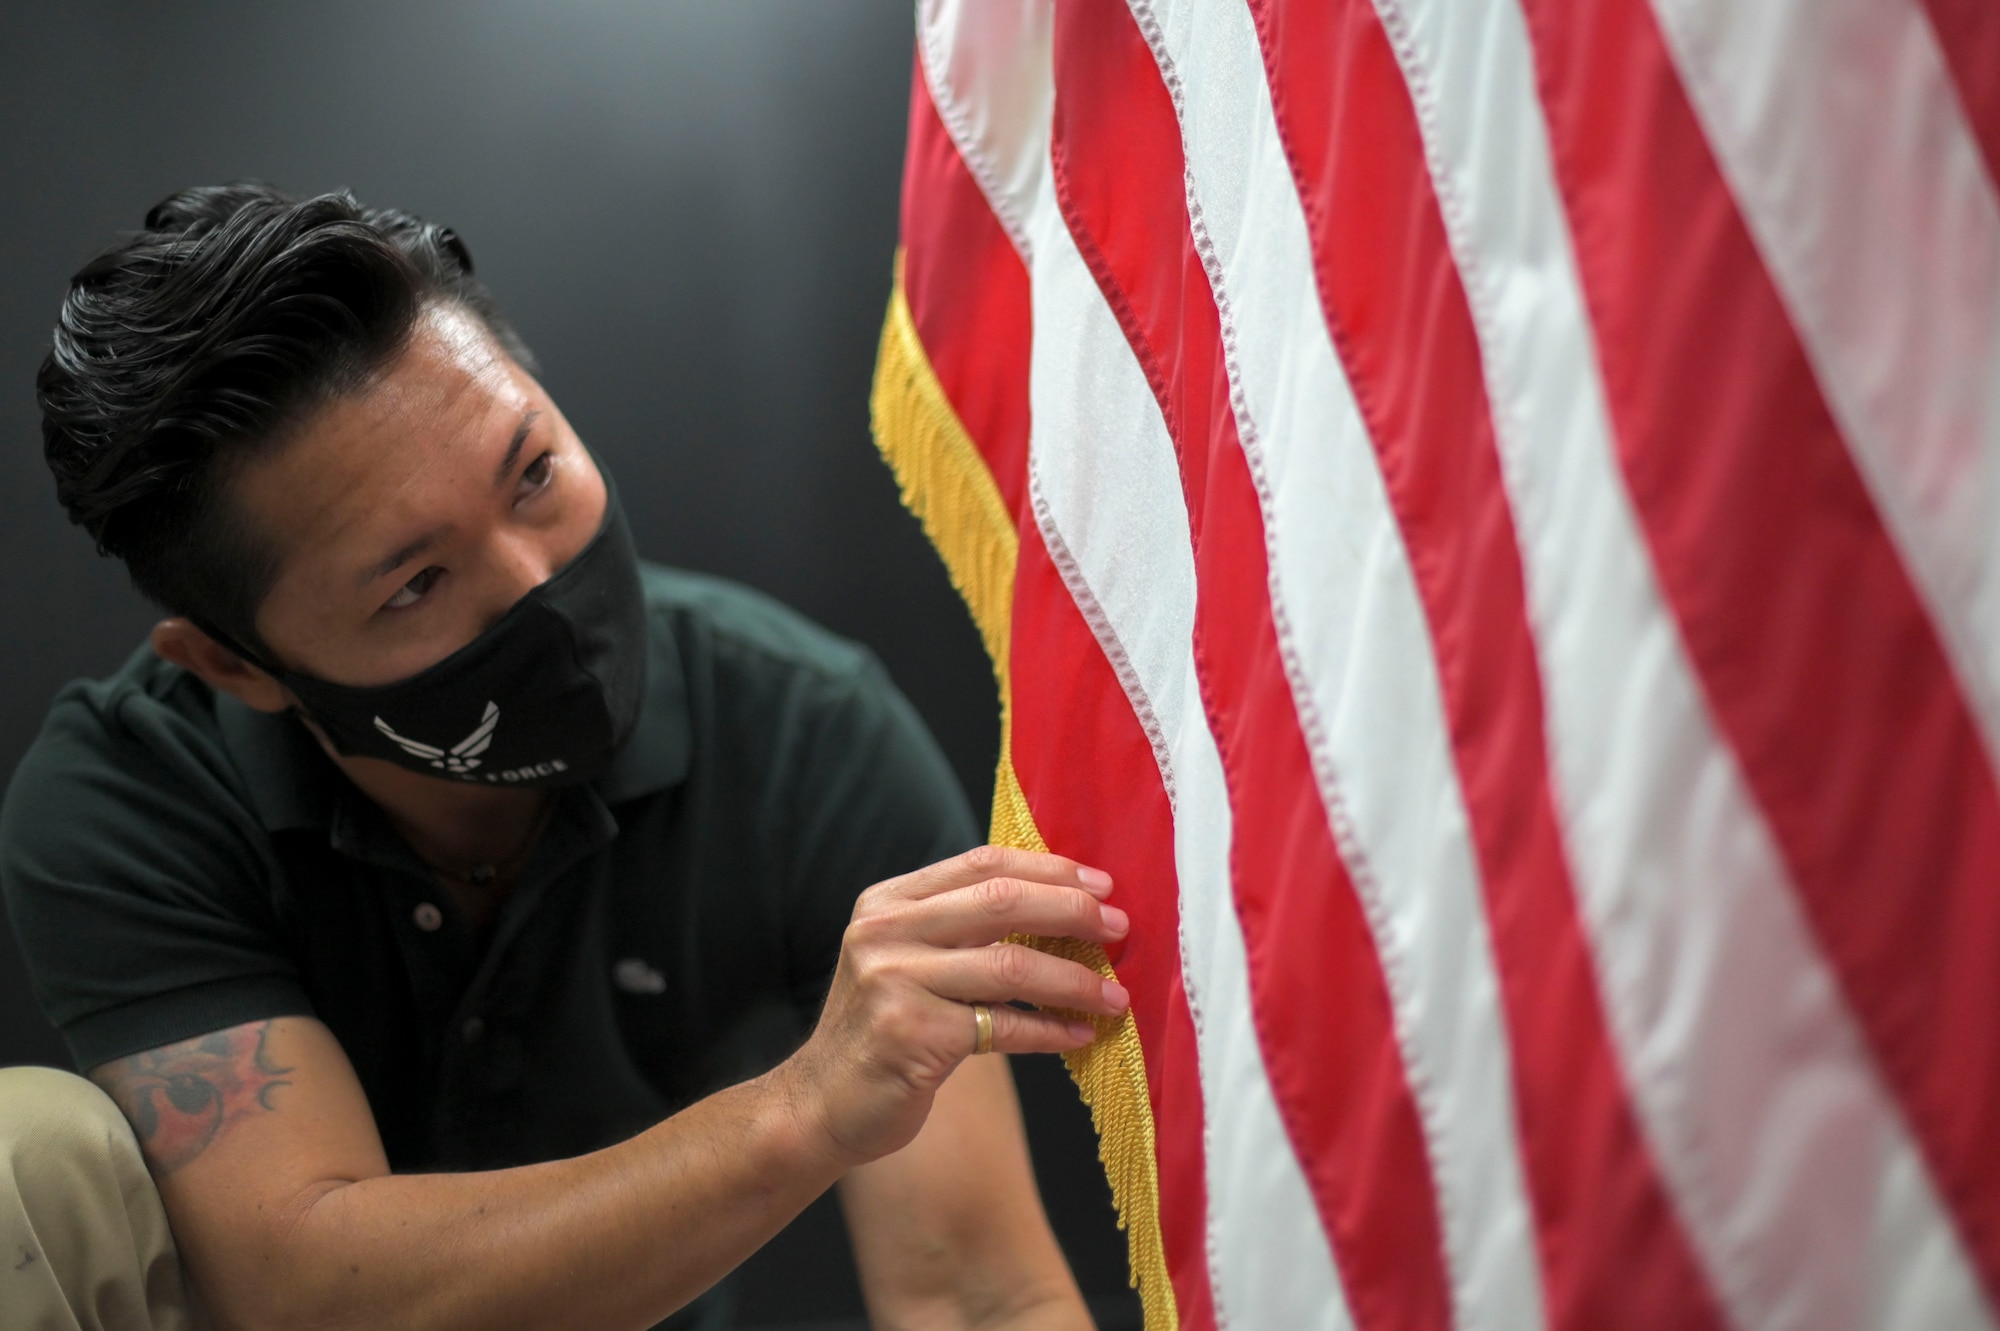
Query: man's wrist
x=794 y=1095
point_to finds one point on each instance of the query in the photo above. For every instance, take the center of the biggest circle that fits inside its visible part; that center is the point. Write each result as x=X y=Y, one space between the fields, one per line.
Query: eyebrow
x=506 y=468
x=404 y=554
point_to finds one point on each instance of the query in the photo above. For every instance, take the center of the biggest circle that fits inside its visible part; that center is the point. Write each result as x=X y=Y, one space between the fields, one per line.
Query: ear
x=181 y=642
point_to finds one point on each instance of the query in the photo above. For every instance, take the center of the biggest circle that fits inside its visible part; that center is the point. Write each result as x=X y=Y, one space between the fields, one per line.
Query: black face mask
x=542 y=698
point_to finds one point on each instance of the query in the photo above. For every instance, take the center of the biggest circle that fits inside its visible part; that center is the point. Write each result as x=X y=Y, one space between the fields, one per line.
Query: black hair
x=200 y=340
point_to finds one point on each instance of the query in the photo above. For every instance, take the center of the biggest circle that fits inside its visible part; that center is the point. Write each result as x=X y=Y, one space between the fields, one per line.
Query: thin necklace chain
x=485 y=874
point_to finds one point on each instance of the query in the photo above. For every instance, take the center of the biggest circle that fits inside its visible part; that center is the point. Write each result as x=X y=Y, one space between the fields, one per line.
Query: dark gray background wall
x=688 y=209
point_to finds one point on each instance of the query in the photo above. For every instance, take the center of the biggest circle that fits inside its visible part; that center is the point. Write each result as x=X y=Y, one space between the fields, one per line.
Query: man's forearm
x=949 y=1231
x=281 y=1198
x=616 y=1238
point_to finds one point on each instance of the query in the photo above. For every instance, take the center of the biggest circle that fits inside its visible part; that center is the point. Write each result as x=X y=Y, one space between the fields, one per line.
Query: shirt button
x=474 y=1028
x=428 y=917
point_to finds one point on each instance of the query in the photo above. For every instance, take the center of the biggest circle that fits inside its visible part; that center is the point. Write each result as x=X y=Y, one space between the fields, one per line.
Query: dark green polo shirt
x=176 y=863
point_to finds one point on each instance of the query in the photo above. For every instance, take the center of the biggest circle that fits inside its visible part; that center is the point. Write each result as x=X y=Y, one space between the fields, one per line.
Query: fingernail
x=1082 y=1031
x=1116 y=920
x=1095 y=879
x=1115 y=996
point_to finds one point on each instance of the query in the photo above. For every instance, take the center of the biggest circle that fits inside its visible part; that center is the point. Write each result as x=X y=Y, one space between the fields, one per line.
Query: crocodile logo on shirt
x=461 y=757
x=635 y=976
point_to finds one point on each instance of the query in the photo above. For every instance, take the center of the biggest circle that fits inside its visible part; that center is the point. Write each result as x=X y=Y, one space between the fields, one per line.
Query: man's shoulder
x=130 y=759
x=145 y=707
x=135 y=870
x=746 y=629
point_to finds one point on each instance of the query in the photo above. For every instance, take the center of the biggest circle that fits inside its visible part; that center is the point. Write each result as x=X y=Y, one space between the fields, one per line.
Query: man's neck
x=450 y=824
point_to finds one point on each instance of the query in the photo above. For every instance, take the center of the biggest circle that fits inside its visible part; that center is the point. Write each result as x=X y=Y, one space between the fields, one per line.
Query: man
x=424 y=892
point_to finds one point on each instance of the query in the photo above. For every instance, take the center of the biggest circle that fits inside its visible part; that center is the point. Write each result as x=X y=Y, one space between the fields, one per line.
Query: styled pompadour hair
x=195 y=343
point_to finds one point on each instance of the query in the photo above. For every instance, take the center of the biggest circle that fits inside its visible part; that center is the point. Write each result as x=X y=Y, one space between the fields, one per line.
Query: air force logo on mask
x=462 y=757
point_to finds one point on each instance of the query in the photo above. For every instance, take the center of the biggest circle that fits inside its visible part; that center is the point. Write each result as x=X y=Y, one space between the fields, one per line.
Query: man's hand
x=920 y=950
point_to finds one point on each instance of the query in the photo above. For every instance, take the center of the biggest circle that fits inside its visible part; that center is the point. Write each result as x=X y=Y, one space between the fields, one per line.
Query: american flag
x=1486 y=514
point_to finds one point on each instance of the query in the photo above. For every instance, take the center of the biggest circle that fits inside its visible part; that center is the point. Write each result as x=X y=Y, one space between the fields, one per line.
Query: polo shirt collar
x=662 y=744
x=291 y=784
x=286 y=777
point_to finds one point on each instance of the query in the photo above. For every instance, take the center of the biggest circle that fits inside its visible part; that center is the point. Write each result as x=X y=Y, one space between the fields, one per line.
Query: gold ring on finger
x=982 y=1029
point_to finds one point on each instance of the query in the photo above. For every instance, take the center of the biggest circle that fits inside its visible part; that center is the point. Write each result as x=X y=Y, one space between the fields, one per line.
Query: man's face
x=411 y=515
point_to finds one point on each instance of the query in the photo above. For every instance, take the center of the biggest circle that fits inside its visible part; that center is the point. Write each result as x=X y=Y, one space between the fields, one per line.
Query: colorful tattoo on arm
x=180 y=1097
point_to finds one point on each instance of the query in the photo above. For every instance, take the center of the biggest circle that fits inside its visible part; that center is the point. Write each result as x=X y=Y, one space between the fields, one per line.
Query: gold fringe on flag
x=946 y=483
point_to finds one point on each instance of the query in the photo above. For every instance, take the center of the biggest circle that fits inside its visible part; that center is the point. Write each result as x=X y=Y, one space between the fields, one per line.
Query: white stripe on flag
x=1119 y=512
x=1358 y=653
x=1842 y=136
x=1115 y=519
x=1793 y=1171
x=988 y=68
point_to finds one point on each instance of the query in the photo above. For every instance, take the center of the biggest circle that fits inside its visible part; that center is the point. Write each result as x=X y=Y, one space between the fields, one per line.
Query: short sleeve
x=139 y=880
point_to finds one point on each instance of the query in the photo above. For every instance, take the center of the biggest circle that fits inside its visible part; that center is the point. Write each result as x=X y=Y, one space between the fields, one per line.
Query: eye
x=413 y=591
x=536 y=474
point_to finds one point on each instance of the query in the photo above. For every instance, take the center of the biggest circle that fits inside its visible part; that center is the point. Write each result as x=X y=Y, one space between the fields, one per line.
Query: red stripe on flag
x=968 y=293
x=1111 y=810
x=1613 y=1252
x=968 y=296
x=1968 y=31
x=1814 y=650
x=1318 y=995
